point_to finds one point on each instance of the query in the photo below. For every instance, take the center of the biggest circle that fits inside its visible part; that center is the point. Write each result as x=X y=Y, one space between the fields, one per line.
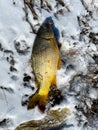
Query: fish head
x=45 y=31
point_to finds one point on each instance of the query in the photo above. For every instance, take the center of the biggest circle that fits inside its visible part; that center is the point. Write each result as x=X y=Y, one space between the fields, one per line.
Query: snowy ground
x=77 y=23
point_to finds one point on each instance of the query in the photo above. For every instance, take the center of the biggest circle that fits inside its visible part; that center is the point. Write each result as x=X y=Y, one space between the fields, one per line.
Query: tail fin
x=39 y=100
x=40 y=97
x=33 y=100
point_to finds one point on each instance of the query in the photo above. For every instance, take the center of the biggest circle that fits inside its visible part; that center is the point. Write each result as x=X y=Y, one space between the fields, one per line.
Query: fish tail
x=43 y=92
x=39 y=100
x=40 y=97
x=33 y=100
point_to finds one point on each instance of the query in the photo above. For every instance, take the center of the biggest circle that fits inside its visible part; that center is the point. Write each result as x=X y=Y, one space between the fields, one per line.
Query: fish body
x=45 y=60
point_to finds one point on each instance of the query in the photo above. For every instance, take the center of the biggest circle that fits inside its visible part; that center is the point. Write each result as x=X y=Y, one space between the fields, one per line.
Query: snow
x=14 y=27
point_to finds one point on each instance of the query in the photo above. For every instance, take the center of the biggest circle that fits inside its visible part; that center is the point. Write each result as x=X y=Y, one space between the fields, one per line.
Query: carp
x=45 y=60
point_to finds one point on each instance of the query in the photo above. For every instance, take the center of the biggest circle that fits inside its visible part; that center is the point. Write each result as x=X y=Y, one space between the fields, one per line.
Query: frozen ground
x=77 y=22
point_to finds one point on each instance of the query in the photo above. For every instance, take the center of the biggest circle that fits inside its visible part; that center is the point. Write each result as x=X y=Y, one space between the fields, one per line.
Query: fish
x=45 y=61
